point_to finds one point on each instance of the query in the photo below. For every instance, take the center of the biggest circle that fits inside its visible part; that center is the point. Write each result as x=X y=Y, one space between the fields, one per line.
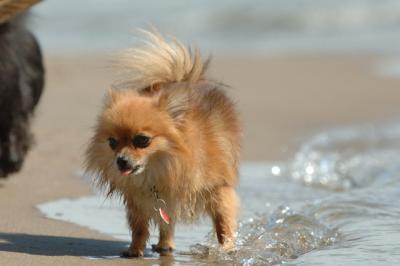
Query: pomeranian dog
x=21 y=85
x=168 y=143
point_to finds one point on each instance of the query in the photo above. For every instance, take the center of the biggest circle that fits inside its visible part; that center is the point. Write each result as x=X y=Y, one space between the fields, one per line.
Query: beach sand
x=282 y=100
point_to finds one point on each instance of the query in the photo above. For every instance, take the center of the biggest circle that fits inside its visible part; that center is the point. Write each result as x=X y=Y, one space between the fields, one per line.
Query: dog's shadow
x=60 y=246
x=74 y=246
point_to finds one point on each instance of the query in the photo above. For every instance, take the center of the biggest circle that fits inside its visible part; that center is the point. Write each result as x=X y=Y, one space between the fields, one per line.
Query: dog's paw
x=229 y=247
x=163 y=251
x=132 y=253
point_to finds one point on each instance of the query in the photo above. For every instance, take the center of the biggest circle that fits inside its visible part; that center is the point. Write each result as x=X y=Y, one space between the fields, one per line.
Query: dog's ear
x=175 y=101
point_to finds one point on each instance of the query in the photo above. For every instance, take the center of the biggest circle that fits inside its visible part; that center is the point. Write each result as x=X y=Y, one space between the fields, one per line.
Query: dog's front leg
x=166 y=244
x=139 y=225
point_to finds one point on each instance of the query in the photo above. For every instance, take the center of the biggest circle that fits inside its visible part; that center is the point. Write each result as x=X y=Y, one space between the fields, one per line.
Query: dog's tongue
x=126 y=172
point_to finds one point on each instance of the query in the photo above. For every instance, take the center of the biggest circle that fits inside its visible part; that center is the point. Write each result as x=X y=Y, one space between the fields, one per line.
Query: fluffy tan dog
x=169 y=145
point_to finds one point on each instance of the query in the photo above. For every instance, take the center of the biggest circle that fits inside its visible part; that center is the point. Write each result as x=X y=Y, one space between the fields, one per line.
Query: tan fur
x=160 y=62
x=193 y=159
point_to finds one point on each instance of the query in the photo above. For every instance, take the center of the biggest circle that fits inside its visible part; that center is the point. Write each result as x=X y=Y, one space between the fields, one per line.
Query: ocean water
x=336 y=202
x=224 y=26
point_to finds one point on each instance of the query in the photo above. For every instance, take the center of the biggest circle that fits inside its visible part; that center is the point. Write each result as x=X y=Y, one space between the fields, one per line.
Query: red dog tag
x=164 y=215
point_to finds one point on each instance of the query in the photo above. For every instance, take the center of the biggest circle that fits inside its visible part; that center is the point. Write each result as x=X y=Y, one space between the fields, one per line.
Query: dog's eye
x=113 y=143
x=141 y=141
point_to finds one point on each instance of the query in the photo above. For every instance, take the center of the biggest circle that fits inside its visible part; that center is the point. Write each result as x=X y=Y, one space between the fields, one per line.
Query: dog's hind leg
x=223 y=210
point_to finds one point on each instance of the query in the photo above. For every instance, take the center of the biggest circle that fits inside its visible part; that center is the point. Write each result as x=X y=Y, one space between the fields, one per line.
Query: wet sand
x=282 y=100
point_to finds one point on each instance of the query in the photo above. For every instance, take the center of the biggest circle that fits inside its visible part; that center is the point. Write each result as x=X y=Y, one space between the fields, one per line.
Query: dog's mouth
x=128 y=170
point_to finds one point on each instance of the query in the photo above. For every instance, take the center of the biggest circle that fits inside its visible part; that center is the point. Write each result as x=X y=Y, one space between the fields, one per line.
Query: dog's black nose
x=122 y=163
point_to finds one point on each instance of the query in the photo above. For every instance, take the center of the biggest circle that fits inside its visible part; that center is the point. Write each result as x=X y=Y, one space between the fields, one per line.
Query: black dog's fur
x=21 y=85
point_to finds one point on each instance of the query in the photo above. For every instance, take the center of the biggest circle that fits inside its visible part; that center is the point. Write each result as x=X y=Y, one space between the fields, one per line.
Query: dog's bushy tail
x=160 y=61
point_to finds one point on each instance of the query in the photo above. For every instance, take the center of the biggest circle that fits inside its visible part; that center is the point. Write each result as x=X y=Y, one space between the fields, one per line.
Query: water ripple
x=283 y=236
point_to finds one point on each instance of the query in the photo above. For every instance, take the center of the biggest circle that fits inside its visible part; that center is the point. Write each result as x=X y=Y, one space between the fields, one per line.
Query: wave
x=305 y=16
x=261 y=25
x=348 y=158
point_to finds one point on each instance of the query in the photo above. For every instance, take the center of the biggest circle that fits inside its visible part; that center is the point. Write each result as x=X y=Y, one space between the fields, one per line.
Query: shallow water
x=335 y=203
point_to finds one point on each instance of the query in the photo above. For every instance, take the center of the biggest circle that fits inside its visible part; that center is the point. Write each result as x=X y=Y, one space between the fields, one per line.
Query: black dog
x=21 y=85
